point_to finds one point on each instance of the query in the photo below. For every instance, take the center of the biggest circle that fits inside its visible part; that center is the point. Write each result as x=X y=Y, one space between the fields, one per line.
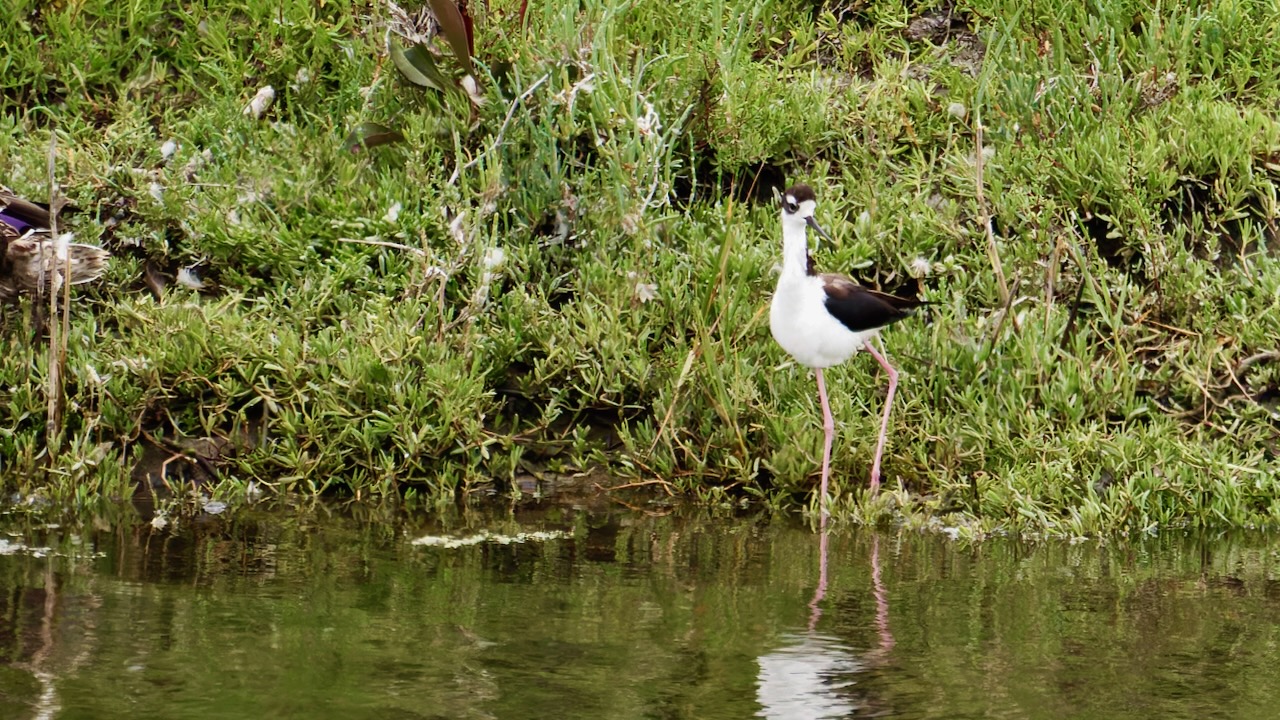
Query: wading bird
x=822 y=320
x=27 y=252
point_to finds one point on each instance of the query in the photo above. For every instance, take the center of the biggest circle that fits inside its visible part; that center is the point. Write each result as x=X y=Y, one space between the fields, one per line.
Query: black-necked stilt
x=27 y=254
x=822 y=320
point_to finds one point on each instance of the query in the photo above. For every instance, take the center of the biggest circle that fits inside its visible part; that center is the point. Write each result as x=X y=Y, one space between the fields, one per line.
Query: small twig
x=1206 y=397
x=694 y=352
x=1239 y=371
x=53 y=390
x=502 y=131
x=1005 y=314
x=1051 y=273
x=993 y=251
x=657 y=179
x=642 y=483
x=65 y=253
x=1085 y=276
x=1142 y=320
x=383 y=243
x=639 y=509
x=1252 y=360
x=1071 y=317
x=177 y=452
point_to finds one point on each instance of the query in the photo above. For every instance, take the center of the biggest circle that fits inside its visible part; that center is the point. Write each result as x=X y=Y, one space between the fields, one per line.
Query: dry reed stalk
x=57 y=331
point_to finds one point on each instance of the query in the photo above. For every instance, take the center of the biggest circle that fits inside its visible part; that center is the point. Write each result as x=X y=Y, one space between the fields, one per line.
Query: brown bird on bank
x=26 y=246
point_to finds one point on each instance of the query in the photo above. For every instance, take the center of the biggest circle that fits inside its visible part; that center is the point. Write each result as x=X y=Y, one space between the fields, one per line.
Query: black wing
x=861 y=309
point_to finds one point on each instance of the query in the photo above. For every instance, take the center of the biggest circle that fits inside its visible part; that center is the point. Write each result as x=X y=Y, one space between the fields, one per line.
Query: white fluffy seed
x=260 y=102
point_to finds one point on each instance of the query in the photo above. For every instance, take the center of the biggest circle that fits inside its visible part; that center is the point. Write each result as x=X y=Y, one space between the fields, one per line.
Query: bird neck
x=795 y=251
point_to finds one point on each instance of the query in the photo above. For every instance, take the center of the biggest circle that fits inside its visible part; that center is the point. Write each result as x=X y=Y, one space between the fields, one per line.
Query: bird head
x=798 y=205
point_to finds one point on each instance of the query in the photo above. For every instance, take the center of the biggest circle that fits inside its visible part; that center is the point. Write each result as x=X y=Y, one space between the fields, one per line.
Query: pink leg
x=828 y=426
x=815 y=611
x=884 y=422
x=882 y=598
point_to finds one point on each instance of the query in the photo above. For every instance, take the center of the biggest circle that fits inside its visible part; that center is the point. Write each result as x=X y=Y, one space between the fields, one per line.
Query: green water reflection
x=332 y=616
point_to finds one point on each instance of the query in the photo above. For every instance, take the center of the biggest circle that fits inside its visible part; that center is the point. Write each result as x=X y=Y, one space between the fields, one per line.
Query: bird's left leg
x=884 y=422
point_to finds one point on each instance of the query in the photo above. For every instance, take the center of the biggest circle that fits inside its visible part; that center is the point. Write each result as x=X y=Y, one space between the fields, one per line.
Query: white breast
x=801 y=324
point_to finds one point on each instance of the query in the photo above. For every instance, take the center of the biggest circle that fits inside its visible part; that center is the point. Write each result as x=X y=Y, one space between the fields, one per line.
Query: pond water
x=564 y=613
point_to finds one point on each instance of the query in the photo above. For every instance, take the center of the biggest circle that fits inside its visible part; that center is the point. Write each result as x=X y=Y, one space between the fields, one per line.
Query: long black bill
x=817 y=228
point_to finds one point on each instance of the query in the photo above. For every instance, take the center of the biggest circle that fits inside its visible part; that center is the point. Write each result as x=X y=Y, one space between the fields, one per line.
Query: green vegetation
x=576 y=272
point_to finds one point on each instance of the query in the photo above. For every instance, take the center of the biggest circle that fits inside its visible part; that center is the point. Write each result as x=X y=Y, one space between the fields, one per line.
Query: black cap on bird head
x=794 y=196
x=799 y=193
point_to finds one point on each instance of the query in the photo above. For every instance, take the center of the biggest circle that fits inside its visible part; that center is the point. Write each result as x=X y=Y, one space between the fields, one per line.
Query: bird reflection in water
x=809 y=675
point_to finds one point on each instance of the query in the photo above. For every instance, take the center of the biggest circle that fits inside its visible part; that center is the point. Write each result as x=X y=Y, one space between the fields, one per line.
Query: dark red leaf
x=464 y=9
x=455 y=31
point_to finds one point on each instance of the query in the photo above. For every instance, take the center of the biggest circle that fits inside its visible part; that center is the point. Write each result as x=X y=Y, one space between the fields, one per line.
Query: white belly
x=801 y=324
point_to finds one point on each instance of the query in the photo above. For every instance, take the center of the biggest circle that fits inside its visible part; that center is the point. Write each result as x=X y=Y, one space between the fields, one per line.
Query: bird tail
x=26 y=258
x=88 y=262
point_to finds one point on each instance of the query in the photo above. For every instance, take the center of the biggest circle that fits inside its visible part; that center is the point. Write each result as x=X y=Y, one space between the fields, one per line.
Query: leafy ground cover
x=574 y=271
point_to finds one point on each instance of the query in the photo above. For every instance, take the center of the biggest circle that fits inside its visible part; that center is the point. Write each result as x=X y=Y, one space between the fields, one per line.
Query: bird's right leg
x=829 y=427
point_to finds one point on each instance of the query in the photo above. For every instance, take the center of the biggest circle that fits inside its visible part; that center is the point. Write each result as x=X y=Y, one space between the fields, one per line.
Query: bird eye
x=791 y=205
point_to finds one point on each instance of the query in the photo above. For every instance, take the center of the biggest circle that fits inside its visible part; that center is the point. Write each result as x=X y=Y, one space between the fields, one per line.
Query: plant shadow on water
x=559 y=612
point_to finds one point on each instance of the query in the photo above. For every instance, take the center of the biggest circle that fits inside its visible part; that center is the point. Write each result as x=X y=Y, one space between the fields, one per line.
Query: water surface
x=326 y=614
